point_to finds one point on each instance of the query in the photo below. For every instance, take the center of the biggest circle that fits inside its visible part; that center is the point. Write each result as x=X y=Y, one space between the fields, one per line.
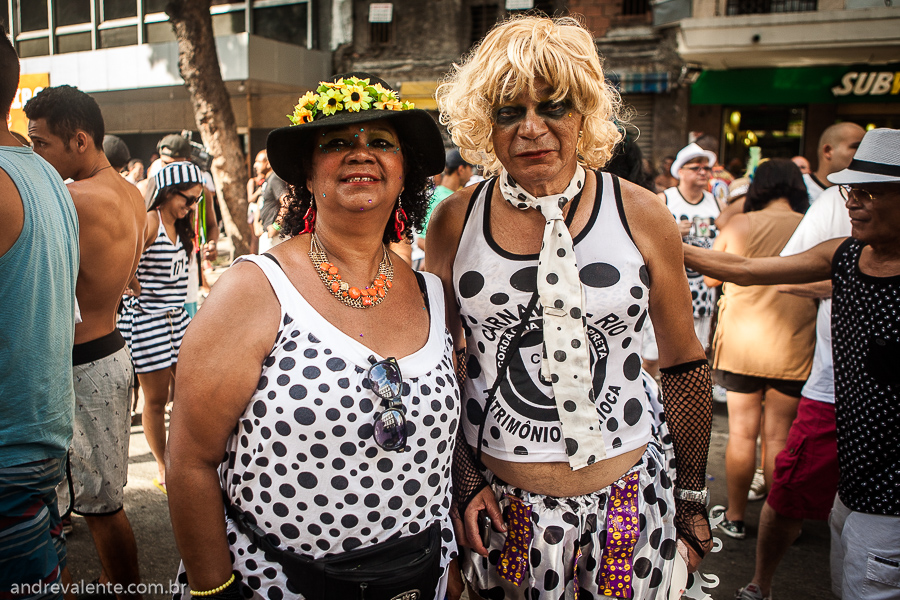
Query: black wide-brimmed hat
x=349 y=99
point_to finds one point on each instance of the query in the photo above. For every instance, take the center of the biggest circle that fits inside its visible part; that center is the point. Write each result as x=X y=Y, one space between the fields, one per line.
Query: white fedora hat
x=689 y=153
x=876 y=161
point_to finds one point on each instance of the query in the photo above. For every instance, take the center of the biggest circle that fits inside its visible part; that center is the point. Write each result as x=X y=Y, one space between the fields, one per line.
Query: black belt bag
x=406 y=568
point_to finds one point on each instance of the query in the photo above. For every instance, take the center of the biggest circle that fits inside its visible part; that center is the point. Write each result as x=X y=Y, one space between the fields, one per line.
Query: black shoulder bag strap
x=501 y=371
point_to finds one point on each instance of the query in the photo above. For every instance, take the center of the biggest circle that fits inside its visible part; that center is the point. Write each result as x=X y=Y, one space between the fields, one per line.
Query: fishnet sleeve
x=467 y=478
x=687 y=398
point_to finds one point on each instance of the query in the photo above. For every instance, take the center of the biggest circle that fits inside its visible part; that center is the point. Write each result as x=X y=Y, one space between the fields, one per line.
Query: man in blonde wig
x=552 y=268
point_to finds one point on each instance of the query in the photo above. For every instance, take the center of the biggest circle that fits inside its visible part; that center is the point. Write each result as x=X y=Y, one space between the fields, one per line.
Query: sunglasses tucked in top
x=385 y=380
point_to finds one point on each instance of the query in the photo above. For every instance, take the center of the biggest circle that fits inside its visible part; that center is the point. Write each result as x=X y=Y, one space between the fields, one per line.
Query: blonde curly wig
x=507 y=62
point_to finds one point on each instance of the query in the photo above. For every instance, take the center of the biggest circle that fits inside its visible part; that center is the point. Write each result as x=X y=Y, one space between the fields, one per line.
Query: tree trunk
x=198 y=64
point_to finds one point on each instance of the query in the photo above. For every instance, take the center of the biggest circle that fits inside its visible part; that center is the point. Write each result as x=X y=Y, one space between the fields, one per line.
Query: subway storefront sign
x=799 y=85
x=29 y=85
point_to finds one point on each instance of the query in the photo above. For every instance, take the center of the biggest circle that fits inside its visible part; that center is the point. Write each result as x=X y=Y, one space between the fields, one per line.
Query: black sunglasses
x=190 y=200
x=385 y=380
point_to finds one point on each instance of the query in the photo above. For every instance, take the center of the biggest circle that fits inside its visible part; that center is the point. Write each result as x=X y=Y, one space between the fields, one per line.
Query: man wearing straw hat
x=865 y=273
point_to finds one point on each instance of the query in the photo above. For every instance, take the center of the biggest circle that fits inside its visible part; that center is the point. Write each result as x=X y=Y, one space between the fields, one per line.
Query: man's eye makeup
x=554 y=109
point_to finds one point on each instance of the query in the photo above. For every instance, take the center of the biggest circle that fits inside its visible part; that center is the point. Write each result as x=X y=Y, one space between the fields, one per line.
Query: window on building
x=33 y=15
x=548 y=7
x=72 y=12
x=159 y=33
x=753 y=7
x=635 y=7
x=118 y=36
x=154 y=6
x=229 y=23
x=118 y=9
x=381 y=34
x=73 y=42
x=4 y=14
x=35 y=47
x=286 y=23
x=483 y=17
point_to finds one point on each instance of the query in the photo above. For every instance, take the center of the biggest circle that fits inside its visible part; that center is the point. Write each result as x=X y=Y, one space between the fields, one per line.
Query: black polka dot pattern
x=304 y=463
x=865 y=324
x=523 y=424
x=563 y=526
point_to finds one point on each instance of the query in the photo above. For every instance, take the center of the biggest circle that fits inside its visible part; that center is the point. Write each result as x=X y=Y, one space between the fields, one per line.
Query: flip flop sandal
x=160 y=486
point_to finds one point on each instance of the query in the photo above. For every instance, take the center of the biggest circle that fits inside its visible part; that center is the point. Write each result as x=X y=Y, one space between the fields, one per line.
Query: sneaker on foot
x=719 y=393
x=750 y=591
x=734 y=529
x=758 y=489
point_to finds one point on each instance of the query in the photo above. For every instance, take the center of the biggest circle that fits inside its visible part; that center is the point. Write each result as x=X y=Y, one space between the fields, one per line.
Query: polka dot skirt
x=571 y=540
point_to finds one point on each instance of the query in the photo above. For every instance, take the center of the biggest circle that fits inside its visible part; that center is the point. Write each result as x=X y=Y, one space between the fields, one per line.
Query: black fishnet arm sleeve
x=687 y=398
x=467 y=478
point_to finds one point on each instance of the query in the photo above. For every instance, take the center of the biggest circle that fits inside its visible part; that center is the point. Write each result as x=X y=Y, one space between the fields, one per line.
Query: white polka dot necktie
x=566 y=356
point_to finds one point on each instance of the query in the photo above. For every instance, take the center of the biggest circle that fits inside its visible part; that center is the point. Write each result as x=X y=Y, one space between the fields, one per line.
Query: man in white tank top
x=695 y=210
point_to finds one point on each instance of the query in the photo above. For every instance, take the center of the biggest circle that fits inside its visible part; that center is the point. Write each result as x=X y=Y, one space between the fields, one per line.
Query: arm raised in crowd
x=806 y=267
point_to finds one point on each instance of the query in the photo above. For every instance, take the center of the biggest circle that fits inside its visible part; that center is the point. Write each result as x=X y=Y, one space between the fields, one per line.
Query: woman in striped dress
x=155 y=319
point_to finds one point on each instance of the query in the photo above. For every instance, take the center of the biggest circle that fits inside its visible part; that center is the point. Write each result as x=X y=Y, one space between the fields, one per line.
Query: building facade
x=124 y=53
x=415 y=48
x=776 y=73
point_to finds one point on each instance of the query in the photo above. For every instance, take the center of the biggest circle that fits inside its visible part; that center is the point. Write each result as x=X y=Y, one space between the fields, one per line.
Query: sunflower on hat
x=349 y=94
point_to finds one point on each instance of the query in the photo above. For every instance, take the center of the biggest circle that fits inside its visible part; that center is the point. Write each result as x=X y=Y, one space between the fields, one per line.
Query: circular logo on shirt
x=525 y=389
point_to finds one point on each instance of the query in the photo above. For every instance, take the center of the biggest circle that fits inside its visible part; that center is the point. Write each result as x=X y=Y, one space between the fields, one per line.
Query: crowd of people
x=485 y=370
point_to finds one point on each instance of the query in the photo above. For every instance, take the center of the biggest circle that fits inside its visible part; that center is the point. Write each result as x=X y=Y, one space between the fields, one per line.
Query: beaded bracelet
x=216 y=590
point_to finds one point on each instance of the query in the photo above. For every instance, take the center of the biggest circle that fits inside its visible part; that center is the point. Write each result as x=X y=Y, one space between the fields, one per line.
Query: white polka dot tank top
x=493 y=287
x=163 y=274
x=302 y=459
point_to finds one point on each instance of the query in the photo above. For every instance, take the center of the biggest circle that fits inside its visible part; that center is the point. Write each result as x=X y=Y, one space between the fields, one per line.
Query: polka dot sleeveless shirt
x=493 y=287
x=302 y=459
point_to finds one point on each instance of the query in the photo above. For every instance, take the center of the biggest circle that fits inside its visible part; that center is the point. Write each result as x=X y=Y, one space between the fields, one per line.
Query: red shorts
x=806 y=471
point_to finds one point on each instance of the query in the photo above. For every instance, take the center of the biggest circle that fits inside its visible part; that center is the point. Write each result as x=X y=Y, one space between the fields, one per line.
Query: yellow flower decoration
x=383 y=95
x=301 y=115
x=308 y=100
x=390 y=104
x=352 y=94
x=330 y=101
x=356 y=98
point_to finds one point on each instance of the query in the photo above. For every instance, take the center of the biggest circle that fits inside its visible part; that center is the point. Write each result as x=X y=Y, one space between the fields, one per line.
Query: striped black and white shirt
x=163 y=274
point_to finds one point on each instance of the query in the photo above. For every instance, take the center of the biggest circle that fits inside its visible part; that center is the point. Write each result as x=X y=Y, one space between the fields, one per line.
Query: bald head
x=261 y=164
x=837 y=146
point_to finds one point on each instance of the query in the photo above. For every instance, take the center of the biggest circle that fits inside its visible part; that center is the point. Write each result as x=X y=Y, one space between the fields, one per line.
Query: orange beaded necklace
x=371 y=295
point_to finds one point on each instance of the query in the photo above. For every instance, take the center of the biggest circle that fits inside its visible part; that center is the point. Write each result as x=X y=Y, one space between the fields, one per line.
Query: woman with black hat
x=317 y=404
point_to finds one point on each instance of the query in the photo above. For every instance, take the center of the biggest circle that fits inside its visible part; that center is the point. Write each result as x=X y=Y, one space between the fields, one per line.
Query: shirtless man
x=66 y=128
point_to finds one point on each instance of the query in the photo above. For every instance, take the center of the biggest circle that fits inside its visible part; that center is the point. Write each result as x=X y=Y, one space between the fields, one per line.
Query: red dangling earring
x=400 y=220
x=309 y=220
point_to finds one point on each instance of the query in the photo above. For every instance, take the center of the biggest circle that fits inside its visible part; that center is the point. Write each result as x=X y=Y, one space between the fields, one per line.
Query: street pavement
x=803 y=574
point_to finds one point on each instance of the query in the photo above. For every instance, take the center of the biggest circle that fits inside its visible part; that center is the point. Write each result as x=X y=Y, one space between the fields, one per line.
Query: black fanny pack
x=406 y=568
